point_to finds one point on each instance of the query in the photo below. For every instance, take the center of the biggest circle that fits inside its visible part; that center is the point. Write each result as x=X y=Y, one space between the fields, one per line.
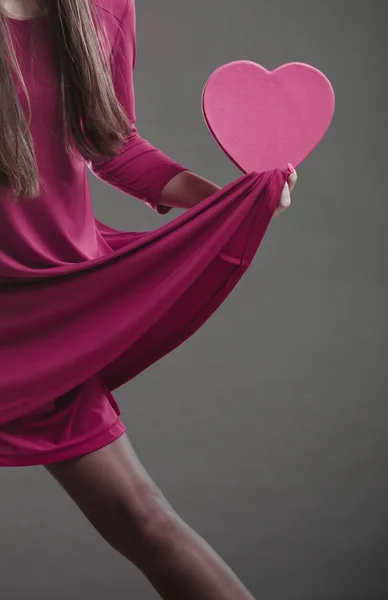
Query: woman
x=47 y=230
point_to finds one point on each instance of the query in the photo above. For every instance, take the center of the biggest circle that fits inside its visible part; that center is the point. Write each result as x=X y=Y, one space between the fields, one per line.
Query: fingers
x=292 y=178
x=285 y=200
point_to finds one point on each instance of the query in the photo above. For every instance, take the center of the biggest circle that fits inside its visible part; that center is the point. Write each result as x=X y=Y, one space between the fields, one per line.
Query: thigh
x=112 y=489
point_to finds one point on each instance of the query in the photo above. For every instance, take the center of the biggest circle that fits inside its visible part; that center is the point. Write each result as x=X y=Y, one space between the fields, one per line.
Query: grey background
x=268 y=436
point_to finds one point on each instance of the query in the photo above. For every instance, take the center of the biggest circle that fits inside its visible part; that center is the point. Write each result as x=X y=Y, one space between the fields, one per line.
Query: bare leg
x=118 y=497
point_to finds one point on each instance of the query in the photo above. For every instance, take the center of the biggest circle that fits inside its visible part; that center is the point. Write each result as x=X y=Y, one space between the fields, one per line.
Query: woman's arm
x=185 y=190
x=140 y=170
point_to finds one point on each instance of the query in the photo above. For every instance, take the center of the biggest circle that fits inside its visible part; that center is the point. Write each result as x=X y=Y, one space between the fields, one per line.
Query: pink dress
x=84 y=308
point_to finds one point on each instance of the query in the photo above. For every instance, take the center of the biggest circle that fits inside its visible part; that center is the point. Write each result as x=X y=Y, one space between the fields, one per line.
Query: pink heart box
x=265 y=119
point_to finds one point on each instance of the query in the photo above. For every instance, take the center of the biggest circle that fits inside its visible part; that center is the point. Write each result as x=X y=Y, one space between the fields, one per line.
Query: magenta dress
x=84 y=307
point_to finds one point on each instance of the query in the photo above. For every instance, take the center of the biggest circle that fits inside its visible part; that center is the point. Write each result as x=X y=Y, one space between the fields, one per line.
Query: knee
x=162 y=528
x=148 y=522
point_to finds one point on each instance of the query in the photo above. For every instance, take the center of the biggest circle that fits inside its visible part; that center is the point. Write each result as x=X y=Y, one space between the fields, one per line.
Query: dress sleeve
x=140 y=169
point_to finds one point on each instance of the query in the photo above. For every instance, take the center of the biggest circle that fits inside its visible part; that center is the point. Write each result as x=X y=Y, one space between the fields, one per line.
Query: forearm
x=186 y=190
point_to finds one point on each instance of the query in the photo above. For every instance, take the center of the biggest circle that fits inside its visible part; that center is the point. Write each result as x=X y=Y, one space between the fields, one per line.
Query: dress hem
x=105 y=438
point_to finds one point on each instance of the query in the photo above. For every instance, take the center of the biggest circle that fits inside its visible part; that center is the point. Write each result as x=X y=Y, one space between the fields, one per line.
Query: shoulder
x=118 y=9
x=118 y=19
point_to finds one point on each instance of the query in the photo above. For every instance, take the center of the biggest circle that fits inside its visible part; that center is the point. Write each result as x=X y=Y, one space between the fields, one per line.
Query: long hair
x=94 y=121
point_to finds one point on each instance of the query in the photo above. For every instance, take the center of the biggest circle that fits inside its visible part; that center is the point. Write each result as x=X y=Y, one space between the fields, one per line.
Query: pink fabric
x=81 y=421
x=84 y=308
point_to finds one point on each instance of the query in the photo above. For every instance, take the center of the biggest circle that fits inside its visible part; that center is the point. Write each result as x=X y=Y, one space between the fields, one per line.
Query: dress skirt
x=72 y=334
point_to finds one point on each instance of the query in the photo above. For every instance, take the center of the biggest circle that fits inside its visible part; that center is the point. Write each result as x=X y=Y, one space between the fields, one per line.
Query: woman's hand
x=285 y=199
